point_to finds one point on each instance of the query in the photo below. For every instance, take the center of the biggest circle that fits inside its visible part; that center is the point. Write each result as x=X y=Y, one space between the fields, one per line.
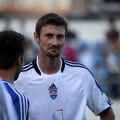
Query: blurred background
x=93 y=36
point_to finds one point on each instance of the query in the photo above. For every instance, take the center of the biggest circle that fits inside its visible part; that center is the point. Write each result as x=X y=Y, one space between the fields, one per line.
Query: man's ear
x=19 y=60
x=36 y=37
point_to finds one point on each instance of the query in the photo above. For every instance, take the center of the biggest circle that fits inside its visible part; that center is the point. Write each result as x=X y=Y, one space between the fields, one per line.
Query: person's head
x=50 y=18
x=50 y=34
x=11 y=50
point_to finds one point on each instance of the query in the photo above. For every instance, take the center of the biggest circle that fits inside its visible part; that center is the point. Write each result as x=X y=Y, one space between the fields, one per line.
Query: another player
x=11 y=57
x=59 y=89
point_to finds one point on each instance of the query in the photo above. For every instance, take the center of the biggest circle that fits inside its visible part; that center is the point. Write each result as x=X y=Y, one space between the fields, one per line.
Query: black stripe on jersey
x=35 y=66
x=63 y=65
x=23 y=70
x=27 y=67
x=76 y=64
x=104 y=111
x=109 y=102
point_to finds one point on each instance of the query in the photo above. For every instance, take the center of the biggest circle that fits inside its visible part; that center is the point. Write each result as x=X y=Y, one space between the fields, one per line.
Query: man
x=11 y=54
x=59 y=89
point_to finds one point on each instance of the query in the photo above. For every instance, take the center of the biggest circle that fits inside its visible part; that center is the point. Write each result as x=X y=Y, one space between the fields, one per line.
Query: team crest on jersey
x=53 y=91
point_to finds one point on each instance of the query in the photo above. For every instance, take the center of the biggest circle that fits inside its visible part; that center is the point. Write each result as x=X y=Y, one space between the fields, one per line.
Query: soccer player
x=59 y=89
x=11 y=57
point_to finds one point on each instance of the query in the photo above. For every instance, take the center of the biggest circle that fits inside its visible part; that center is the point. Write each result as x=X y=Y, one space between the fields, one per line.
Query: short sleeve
x=97 y=100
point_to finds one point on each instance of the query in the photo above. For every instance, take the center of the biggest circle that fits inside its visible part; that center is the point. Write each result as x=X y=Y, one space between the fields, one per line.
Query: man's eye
x=49 y=36
x=60 y=36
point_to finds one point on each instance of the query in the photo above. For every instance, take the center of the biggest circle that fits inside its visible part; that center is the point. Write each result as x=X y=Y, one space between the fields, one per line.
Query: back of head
x=50 y=18
x=11 y=47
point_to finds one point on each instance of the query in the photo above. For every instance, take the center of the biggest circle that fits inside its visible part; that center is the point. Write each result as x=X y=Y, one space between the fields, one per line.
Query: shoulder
x=77 y=67
x=27 y=74
x=74 y=64
x=15 y=94
x=27 y=70
x=31 y=68
x=12 y=90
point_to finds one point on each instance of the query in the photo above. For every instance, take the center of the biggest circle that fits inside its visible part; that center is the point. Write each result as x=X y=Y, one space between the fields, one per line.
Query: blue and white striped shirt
x=20 y=102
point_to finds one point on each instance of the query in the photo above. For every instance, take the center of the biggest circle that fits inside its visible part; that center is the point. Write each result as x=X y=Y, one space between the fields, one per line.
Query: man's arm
x=107 y=114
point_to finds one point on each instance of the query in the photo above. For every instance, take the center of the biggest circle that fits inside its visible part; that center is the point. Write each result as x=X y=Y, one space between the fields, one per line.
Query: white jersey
x=63 y=95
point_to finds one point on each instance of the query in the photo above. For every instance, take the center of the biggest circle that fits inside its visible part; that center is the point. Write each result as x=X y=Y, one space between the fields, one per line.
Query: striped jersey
x=7 y=111
x=20 y=102
x=63 y=95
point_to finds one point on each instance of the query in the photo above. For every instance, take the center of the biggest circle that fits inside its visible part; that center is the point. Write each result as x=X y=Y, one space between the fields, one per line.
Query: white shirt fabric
x=63 y=95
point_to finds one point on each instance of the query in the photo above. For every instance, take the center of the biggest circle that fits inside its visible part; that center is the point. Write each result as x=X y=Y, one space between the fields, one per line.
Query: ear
x=19 y=61
x=36 y=37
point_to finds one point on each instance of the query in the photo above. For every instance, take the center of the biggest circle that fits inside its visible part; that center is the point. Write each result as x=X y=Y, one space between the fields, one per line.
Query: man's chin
x=53 y=55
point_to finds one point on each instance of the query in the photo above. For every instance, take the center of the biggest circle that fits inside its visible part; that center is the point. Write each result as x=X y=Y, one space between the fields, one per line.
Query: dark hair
x=50 y=18
x=11 y=47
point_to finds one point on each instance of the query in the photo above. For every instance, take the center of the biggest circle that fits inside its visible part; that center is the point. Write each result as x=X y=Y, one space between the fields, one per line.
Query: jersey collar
x=36 y=67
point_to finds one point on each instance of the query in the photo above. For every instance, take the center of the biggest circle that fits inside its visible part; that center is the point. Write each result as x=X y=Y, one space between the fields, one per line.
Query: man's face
x=52 y=40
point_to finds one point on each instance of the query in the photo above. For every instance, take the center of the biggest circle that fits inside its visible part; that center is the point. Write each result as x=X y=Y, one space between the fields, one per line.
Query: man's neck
x=49 y=65
x=7 y=75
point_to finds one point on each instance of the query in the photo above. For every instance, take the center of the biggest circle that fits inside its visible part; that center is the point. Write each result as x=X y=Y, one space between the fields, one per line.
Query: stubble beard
x=16 y=75
x=53 y=55
x=17 y=72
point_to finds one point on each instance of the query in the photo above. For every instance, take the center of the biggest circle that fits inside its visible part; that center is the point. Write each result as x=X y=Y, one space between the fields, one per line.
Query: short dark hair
x=50 y=18
x=11 y=47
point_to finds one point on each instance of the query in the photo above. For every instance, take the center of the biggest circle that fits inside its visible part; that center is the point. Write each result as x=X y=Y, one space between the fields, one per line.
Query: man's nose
x=55 y=41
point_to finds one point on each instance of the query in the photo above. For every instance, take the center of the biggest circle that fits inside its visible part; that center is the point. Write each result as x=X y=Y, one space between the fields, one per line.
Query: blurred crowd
x=102 y=58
